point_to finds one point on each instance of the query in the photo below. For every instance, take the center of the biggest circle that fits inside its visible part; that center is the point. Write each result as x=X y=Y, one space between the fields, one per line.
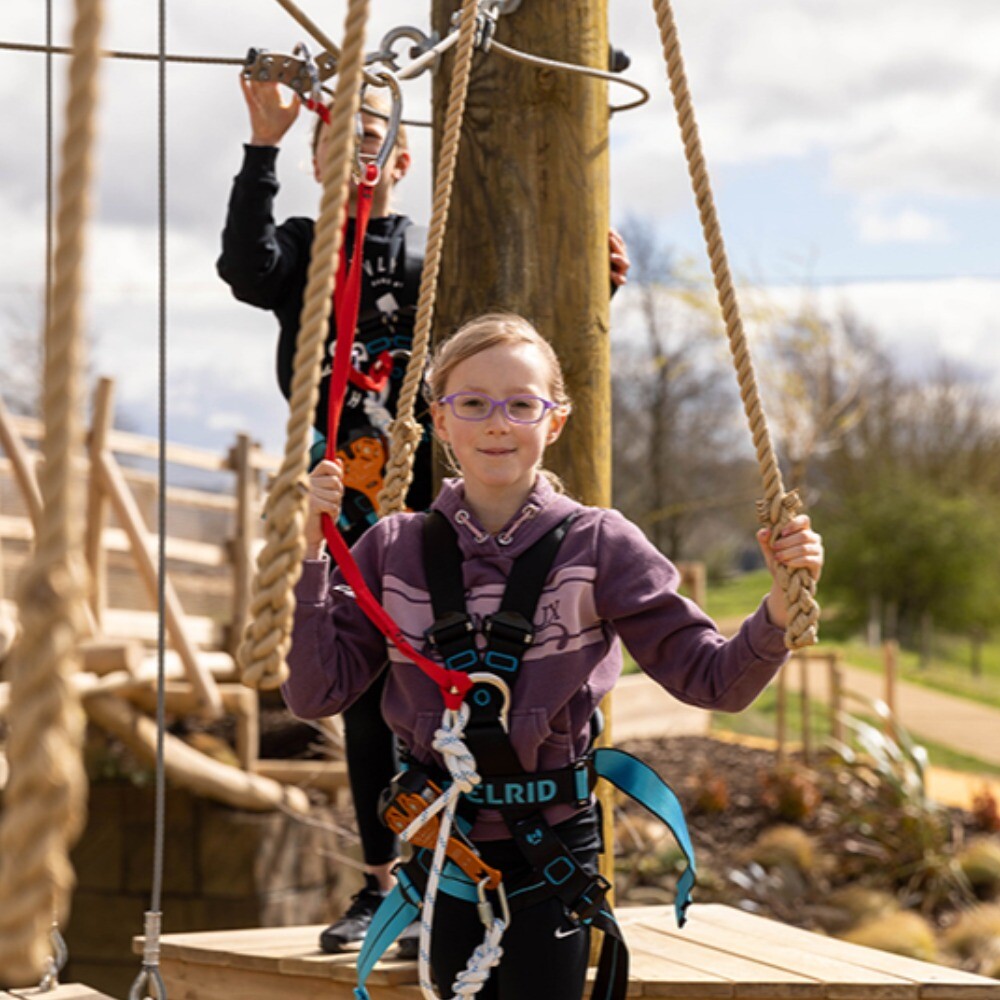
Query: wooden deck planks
x=64 y=991
x=721 y=954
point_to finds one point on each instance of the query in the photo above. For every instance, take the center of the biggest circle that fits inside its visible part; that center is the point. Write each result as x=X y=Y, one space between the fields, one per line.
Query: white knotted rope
x=464 y=777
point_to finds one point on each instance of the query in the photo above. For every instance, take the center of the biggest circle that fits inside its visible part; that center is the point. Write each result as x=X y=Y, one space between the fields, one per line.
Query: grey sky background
x=853 y=149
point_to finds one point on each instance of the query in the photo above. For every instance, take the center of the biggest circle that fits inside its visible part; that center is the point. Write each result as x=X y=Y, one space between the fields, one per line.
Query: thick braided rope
x=45 y=801
x=268 y=636
x=405 y=431
x=777 y=506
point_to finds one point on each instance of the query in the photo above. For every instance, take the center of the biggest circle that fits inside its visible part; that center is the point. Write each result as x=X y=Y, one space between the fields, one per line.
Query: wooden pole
x=528 y=227
x=97 y=500
x=244 y=533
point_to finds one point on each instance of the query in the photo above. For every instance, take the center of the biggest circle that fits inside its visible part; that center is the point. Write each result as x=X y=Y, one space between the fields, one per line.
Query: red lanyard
x=347 y=302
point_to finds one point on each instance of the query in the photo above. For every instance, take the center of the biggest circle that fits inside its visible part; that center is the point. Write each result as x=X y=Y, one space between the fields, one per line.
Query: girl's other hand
x=796 y=547
x=326 y=493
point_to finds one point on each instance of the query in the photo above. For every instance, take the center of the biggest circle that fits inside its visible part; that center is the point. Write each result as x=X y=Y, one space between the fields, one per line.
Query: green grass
x=761 y=720
x=950 y=670
x=738 y=597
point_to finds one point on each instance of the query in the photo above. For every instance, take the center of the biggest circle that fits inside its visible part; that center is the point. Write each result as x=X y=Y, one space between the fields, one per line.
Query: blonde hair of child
x=483 y=333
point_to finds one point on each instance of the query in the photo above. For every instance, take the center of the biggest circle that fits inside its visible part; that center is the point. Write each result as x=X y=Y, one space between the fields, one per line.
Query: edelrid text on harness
x=520 y=797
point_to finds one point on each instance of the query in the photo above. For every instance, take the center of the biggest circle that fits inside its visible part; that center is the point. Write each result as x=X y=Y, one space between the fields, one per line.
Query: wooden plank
x=64 y=991
x=929 y=980
x=722 y=954
x=201 y=630
x=657 y=934
x=329 y=774
x=851 y=981
x=128 y=516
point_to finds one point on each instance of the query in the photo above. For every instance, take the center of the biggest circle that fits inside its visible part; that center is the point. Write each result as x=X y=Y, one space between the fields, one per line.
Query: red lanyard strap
x=347 y=302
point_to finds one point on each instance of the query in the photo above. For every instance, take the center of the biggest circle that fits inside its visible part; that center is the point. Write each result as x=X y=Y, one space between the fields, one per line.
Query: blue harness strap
x=643 y=784
x=395 y=913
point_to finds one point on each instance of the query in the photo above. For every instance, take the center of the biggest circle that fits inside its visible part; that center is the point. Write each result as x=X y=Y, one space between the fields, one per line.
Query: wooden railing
x=213 y=531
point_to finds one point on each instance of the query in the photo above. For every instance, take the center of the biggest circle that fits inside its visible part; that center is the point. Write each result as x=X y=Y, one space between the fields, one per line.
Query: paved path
x=957 y=723
x=642 y=709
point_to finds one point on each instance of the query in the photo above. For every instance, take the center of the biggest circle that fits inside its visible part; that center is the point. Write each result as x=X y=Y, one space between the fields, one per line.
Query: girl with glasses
x=498 y=400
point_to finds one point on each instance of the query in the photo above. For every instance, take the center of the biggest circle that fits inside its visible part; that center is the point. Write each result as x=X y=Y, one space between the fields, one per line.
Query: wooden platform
x=65 y=991
x=721 y=953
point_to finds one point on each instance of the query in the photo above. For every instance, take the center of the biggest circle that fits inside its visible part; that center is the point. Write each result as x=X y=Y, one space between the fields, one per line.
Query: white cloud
x=908 y=225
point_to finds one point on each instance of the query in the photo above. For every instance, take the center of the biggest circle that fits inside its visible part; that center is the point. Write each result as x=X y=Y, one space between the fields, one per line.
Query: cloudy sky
x=853 y=149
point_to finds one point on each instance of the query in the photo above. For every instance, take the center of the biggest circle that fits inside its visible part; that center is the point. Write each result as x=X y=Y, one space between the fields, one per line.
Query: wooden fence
x=213 y=533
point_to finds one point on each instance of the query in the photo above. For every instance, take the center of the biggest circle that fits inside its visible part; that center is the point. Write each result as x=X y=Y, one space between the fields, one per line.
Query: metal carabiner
x=379 y=160
x=482 y=677
x=485 y=908
x=311 y=71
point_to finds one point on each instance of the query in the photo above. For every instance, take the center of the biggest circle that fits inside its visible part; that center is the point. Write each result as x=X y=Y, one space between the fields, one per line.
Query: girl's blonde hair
x=481 y=334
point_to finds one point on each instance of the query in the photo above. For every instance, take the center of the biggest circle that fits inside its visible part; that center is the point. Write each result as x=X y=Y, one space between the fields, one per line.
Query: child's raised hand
x=326 y=492
x=620 y=262
x=797 y=547
x=272 y=110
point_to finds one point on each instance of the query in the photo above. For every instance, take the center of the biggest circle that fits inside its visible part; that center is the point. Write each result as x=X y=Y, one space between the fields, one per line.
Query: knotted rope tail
x=268 y=637
x=405 y=431
x=461 y=766
x=777 y=507
x=45 y=801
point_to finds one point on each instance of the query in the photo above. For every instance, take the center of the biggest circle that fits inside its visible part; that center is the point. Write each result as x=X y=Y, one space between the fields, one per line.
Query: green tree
x=918 y=553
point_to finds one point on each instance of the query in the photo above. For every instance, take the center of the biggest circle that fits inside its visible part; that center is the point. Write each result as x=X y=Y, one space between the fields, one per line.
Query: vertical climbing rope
x=45 y=800
x=405 y=431
x=262 y=654
x=777 y=507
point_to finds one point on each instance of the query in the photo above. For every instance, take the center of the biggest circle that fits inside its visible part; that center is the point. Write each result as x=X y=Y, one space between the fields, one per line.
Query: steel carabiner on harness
x=485 y=908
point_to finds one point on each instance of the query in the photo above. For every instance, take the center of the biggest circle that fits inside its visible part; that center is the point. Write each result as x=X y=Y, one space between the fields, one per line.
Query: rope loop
x=148 y=985
x=449 y=742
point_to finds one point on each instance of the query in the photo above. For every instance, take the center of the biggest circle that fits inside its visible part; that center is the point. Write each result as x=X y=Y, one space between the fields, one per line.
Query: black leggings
x=544 y=955
x=371 y=765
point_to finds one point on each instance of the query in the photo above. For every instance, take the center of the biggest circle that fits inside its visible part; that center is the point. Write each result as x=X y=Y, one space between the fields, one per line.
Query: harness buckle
x=451 y=627
x=509 y=627
x=591 y=900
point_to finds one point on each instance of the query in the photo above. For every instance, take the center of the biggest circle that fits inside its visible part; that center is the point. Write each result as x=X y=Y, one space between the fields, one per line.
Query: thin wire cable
x=598 y=74
x=161 y=599
x=49 y=157
x=63 y=50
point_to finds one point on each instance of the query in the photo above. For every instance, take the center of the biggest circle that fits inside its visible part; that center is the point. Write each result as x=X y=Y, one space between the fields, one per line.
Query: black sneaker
x=353 y=925
x=408 y=943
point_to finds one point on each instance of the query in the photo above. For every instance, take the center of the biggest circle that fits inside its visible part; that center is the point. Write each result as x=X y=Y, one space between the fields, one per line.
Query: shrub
x=980 y=864
x=902 y=933
x=986 y=811
x=784 y=847
x=711 y=792
x=975 y=940
x=791 y=793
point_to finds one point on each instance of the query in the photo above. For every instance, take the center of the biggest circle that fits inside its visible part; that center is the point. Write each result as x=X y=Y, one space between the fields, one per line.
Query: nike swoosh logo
x=562 y=932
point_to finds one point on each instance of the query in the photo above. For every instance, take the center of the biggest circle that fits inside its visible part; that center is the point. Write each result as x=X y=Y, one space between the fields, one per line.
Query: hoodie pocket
x=529 y=729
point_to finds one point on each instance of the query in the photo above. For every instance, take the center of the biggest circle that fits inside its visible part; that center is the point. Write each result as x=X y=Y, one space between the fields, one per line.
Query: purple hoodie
x=607 y=582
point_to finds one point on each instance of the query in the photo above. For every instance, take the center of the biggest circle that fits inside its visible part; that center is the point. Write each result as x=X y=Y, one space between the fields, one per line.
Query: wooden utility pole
x=528 y=226
x=528 y=230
